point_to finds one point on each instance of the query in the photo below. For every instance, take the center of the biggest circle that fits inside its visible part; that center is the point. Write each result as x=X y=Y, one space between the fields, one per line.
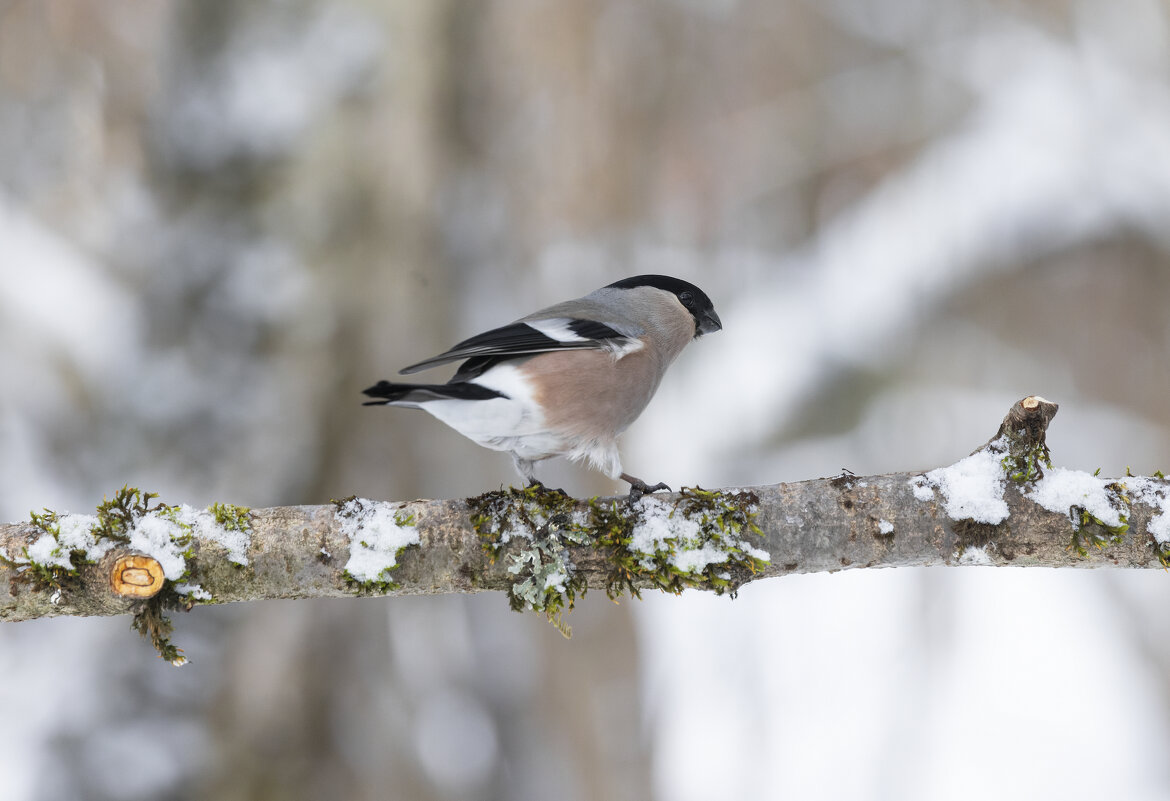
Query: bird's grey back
x=624 y=310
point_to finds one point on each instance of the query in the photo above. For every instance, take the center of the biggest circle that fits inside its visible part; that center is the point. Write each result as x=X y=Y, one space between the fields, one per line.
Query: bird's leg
x=527 y=470
x=638 y=487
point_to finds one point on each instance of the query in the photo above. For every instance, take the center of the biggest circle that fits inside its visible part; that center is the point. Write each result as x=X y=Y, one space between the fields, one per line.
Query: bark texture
x=824 y=524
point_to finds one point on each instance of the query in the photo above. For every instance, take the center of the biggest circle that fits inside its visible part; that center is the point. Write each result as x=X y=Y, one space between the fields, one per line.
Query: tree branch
x=1003 y=505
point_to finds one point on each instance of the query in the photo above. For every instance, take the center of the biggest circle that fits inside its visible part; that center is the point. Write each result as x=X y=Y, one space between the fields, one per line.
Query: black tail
x=389 y=392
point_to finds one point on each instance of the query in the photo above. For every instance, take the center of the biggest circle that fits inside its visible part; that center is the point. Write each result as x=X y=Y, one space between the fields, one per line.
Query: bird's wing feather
x=532 y=336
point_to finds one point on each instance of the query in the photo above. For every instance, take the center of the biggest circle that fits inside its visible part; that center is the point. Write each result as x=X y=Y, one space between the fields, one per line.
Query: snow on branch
x=1005 y=504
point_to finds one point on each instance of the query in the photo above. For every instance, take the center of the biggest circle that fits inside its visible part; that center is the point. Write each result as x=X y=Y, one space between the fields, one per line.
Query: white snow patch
x=923 y=489
x=975 y=556
x=756 y=553
x=1060 y=490
x=375 y=536
x=1157 y=494
x=47 y=551
x=658 y=525
x=885 y=526
x=205 y=526
x=74 y=535
x=691 y=554
x=193 y=591
x=555 y=580
x=972 y=488
x=1160 y=524
x=694 y=560
x=155 y=536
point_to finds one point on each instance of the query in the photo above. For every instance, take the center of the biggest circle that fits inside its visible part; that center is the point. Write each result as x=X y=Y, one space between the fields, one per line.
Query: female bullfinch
x=566 y=380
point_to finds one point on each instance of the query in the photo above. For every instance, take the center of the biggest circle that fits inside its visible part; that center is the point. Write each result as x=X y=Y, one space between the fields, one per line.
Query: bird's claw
x=540 y=487
x=638 y=488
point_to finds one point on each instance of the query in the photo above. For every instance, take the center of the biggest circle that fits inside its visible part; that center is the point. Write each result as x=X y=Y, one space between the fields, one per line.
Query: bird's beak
x=709 y=323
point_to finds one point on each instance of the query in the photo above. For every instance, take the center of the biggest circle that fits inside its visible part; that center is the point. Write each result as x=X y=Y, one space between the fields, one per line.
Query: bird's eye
x=686 y=297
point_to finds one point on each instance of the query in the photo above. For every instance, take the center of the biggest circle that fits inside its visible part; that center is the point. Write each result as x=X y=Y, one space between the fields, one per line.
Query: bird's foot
x=540 y=487
x=638 y=487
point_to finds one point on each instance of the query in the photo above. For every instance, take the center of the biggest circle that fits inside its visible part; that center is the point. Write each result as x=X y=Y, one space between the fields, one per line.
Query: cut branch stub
x=137 y=576
x=1022 y=436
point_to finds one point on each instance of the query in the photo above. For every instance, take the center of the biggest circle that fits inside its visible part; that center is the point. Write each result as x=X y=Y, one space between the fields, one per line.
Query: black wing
x=519 y=339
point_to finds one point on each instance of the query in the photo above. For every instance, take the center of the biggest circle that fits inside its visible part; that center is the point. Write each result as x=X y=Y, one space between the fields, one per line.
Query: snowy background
x=220 y=221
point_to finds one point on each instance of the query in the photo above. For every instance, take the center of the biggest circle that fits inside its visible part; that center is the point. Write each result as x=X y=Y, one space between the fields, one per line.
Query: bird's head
x=690 y=296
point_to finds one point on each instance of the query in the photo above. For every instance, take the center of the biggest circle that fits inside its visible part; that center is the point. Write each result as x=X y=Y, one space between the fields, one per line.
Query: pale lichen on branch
x=698 y=539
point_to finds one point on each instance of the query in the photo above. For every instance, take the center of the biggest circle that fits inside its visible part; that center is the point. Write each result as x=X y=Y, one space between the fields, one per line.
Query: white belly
x=513 y=424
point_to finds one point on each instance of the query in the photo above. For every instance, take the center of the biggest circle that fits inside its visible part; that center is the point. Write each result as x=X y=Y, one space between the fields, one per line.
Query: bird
x=565 y=380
